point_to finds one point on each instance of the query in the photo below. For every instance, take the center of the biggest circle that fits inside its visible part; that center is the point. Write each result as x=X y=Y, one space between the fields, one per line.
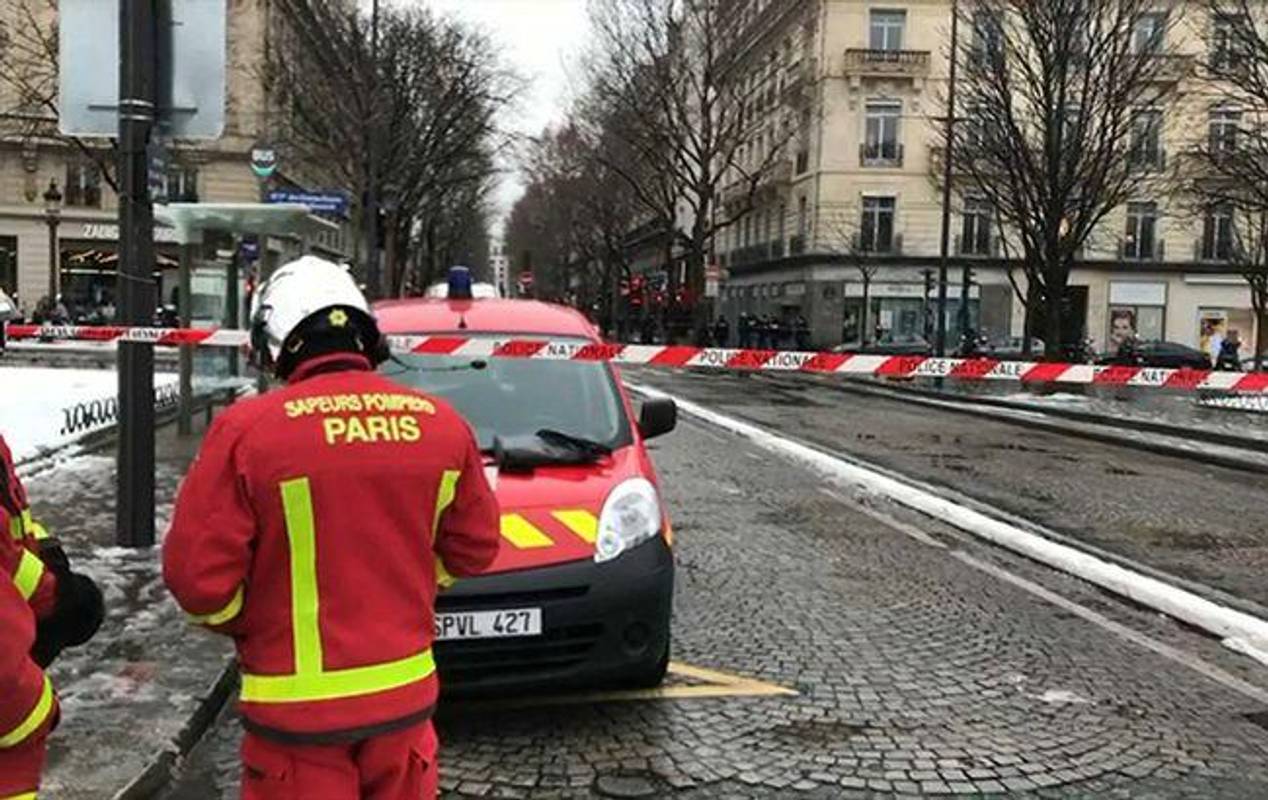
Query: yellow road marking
x=719 y=684
x=522 y=533
x=580 y=522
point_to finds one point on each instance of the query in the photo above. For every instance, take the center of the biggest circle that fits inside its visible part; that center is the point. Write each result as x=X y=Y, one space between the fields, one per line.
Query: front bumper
x=601 y=624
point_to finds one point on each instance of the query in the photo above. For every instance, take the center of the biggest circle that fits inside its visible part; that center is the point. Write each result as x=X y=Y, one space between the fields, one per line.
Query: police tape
x=682 y=356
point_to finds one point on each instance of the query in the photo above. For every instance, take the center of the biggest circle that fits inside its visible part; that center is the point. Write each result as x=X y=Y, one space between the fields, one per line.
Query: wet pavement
x=918 y=669
x=127 y=693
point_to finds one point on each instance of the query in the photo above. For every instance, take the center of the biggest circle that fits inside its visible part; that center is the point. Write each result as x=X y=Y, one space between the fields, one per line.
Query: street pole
x=371 y=207
x=940 y=342
x=134 y=505
x=54 y=261
x=184 y=308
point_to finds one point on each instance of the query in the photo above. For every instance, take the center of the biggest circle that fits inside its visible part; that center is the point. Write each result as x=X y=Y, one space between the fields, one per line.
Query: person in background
x=744 y=327
x=721 y=332
x=801 y=332
x=1229 y=355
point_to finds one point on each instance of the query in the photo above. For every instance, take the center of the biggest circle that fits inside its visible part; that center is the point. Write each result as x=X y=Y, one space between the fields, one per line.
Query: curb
x=160 y=772
x=1115 y=432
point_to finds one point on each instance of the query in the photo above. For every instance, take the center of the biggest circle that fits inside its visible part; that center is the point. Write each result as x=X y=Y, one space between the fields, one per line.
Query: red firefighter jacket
x=22 y=539
x=27 y=705
x=311 y=528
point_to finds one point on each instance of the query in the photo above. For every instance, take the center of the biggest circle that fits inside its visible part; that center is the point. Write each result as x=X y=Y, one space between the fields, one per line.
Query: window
x=781 y=221
x=1227 y=52
x=1140 y=241
x=83 y=185
x=881 y=143
x=877 y=230
x=975 y=233
x=182 y=185
x=9 y=265
x=1147 y=33
x=1223 y=130
x=802 y=217
x=1146 y=139
x=974 y=128
x=988 y=39
x=1217 y=234
x=886 y=30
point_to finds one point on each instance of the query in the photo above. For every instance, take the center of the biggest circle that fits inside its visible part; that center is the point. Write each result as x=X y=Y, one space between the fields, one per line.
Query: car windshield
x=515 y=400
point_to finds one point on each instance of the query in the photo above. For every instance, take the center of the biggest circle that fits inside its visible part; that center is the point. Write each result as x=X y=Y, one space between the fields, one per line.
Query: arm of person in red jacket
x=207 y=550
x=468 y=534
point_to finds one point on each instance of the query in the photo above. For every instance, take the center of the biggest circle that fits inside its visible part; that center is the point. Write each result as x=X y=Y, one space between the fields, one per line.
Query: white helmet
x=297 y=291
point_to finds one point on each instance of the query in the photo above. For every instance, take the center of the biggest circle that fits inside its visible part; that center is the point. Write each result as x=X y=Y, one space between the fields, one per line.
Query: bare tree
x=1057 y=101
x=690 y=116
x=840 y=234
x=1226 y=170
x=29 y=81
x=427 y=106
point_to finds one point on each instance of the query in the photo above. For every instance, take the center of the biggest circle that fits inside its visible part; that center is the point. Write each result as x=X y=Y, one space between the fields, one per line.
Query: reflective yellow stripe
x=15 y=528
x=337 y=683
x=297 y=503
x=33 y=528
x=27 y=796
x=27 y=578
x=522 y=533
x=444 y=497
x=580 y=522
x=33 y=721
x=223 y=615
x=443 y=579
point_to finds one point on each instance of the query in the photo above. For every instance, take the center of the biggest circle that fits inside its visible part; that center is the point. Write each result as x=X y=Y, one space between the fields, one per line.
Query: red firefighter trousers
x=395 y=766
x=20 y=769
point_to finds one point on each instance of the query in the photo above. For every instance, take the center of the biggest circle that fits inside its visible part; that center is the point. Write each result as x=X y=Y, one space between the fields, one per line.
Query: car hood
x=550 y=514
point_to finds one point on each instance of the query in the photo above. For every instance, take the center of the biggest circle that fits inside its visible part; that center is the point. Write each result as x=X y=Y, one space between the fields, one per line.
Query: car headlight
x=630 y=516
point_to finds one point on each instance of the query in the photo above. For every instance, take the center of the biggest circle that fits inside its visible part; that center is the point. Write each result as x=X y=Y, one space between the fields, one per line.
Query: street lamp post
x=53 y=215
x=940 y=341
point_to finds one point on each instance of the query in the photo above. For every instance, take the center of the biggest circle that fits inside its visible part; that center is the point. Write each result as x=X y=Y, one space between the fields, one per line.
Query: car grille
x=537 y=597
x=476 y=661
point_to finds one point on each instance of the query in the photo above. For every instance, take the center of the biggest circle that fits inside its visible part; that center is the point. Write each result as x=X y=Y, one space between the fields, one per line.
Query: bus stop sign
x=191 y=54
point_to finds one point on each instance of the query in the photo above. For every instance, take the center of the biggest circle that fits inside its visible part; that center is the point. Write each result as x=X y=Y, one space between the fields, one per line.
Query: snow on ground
x=43 y=408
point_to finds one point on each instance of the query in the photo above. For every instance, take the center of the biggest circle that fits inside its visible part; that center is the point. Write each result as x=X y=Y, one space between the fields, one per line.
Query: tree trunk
x=1261 y=336
x=867 y=309
x=1054 y=308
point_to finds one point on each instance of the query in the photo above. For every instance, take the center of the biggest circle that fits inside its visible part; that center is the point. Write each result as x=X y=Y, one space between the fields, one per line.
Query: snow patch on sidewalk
x=46 y=408
x=1239 y=631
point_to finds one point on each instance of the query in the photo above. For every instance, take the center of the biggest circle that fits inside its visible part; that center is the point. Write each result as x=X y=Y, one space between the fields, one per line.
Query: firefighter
x=314 y=528
x=44 y=608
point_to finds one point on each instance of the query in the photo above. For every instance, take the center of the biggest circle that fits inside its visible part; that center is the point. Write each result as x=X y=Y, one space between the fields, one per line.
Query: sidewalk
x=127 y=694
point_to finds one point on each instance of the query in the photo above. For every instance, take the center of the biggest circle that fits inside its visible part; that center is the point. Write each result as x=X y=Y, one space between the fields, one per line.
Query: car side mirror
x=657 y=417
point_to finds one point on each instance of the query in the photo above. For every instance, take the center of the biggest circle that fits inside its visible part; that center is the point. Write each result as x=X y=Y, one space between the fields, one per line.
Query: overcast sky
x=541 y=40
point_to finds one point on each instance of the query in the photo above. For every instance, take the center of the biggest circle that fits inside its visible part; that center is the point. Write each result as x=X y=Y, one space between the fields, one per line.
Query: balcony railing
x=887 y=63
x=881 y=154
x=1129 y=250
x=1214 y=249
x=871 y=245
x=974 y=246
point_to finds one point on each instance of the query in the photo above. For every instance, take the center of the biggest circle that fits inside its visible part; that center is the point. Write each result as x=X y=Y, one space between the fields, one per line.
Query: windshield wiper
x=476 y=364
x=578 y=443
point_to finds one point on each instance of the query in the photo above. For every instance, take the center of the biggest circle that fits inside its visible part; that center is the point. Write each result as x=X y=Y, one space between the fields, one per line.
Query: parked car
x=1011 y=347
x=915 y=346
x=1171 y=355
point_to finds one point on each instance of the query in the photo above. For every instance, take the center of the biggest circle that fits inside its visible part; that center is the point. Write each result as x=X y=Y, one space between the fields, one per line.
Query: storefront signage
x=1138 y=294
x=899 y=290
x=106 y=231
x=317 y=202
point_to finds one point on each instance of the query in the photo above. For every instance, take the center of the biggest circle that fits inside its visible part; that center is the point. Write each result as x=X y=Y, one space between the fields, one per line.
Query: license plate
x=488 y=624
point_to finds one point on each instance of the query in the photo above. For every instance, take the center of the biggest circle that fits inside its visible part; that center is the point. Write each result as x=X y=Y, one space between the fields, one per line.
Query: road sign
x=526 y=278
x=191 y=51
x=321 y=202
x=157 y=156
x=264 y=162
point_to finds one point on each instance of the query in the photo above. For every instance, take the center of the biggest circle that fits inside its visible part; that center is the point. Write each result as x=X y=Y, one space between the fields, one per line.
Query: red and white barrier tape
x=963 y=369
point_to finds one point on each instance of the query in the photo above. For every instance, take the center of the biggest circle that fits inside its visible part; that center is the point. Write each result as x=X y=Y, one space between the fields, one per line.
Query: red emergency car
x=581 y=591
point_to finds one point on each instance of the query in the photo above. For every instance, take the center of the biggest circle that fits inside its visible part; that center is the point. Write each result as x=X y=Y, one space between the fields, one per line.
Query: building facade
x=84 y=250
x=847 y=229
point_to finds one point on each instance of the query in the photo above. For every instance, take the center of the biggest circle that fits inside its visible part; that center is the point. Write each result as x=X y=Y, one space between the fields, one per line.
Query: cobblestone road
x=1185 y=518
x=917 y=673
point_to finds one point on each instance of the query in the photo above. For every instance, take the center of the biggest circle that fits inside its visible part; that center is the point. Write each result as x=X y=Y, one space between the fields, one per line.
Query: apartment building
x=854 y=209
x=33 y=159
